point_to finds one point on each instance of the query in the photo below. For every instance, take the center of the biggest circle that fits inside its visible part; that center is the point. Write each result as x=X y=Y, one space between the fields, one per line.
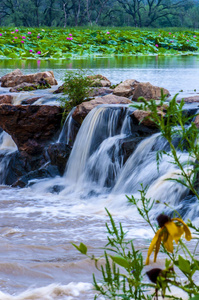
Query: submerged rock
x=84 y=108
x=11 y=79
x=31 y=127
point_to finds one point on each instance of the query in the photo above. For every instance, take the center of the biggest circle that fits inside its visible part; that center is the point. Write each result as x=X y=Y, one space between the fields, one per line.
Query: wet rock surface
x=126 y=88
x=13 y=79
x=6 y=99
x=84 y=108
x=59 y=154
x=31 y=127
x=148 y=91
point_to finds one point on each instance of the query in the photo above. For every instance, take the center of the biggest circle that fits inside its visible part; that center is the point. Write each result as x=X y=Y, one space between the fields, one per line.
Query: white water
x=37 y=260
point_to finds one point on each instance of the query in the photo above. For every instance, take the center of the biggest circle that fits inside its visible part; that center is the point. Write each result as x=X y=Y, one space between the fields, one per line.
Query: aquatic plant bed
x=63 y=43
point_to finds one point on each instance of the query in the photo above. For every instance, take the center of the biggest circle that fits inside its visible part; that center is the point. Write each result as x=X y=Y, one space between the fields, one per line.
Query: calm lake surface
x=37 y=226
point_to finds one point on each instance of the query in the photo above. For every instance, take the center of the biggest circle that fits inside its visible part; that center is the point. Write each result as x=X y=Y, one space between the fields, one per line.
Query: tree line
x=136 y=13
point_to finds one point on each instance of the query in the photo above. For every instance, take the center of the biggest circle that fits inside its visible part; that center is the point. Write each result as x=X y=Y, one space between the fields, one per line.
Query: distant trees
x=62 y=13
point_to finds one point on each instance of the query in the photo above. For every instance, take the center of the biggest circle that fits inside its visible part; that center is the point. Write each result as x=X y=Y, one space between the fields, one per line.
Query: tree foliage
x=138 y=13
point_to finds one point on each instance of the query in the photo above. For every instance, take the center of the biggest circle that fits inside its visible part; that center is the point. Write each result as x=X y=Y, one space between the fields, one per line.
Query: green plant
x=77 y=86
x=123 y=274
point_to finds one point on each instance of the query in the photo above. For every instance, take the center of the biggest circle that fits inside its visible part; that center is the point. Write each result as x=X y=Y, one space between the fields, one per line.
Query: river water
x=39 y=223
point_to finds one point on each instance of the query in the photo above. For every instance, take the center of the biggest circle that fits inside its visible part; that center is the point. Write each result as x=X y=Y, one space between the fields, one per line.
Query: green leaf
x=81 y=248
x=121 y=261
x=184 y=265
x=195 y=297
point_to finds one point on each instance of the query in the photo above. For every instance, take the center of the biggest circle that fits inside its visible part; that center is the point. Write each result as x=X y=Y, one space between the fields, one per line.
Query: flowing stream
x=39 y=222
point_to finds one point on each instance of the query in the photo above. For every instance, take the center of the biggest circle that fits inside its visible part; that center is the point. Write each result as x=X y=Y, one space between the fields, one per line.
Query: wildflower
x=169 y=231
x=22 y=42
x=0 y=34
x=174 y=36
x=30 y=50
x=70 y=34
x=108 y=32
x=38 y=36
x=157 y=45
x=194 y=36
x=23 y=37
x=29 y=32
x=15 y=37
x=187 y=40
x=153 y=274
x=12 y=32
x=169 y=32
x=38 y=52
x=16 y=30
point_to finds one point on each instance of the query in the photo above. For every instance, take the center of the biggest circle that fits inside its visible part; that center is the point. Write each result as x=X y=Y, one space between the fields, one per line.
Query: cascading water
x=96 y=158
x=69 y=129
x=96 y=164
x=7 y=146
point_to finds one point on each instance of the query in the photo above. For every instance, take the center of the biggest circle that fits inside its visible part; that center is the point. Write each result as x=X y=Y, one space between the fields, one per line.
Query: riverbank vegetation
x=63 y=43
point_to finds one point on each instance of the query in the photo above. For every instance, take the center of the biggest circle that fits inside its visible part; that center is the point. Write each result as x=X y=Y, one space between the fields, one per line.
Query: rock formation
x=84 y=108
x=13 y=79
x=31 y=127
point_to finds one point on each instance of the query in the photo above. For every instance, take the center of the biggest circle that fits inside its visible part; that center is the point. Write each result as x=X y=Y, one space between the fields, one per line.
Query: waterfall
x=96 y=157
x=141 y=168
x=7 y=146
x=68 y=133
x=96 y=164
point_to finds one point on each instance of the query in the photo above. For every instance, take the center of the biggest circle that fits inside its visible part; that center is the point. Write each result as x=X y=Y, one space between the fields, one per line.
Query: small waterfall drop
x=69 y=130
x=96 y=157
x=7 y=146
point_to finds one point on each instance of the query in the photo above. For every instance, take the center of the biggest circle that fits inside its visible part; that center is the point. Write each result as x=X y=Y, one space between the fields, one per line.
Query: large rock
x=6 y=99
x=143 y=117
x=13 y=73
x=99 y=81
x=148 y=91
x=11 y=80
x=126 y=88
x=59 y=154
x=191 y=99
x=84 y=108
x=31 y=127
x=24 y=86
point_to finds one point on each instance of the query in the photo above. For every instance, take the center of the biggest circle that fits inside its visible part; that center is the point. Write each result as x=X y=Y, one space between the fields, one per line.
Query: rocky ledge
x=35 y=128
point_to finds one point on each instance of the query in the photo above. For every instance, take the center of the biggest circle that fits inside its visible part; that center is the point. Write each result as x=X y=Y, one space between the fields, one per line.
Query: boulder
x=31 y=127
x=101 y=91
x=84 y=108
x=99 y=81
x=16 y=72
x=143 y=117
x=59 y=154
x=20 y=164
x=191 y=99
x=13 y=80
x=24 y=86
x=126 y=88
x=196 y=121
x=148 y=91
x=60 y=89
x=6 y=99
x=30 y=101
